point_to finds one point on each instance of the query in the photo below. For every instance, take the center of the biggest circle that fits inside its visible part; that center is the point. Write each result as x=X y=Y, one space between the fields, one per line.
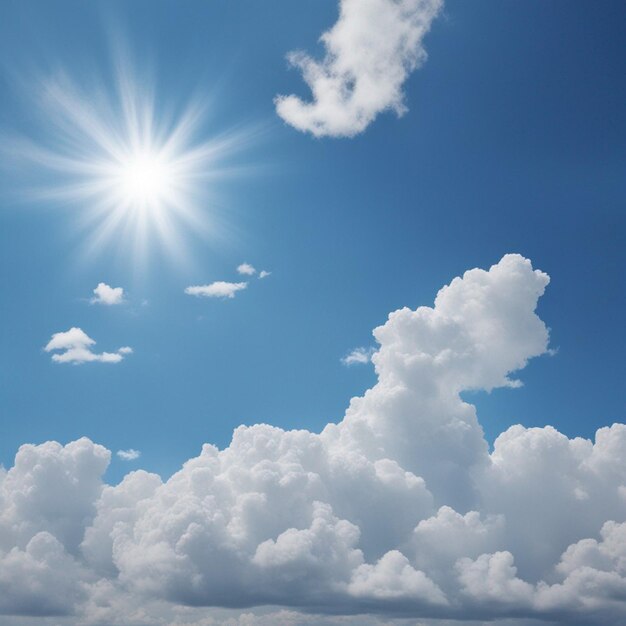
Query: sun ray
x=135 y=176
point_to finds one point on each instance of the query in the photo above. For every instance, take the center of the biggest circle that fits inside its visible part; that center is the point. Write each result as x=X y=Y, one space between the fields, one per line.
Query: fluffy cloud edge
x=369 y=53
x=107 y=295
x=75 y=346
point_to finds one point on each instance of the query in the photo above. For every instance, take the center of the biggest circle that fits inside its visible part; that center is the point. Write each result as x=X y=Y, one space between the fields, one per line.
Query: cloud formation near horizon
x=398 y=509
x=75 y=346
x=370 y=51
x=104 y=294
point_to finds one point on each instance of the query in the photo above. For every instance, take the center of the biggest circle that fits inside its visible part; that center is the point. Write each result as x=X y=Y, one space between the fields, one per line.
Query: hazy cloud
x=128 y=455
x=247 y=269
x=218 y=289
x=358 y=356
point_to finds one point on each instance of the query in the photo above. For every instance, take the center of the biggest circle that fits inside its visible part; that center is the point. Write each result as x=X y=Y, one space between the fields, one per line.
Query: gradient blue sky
x=513 y=142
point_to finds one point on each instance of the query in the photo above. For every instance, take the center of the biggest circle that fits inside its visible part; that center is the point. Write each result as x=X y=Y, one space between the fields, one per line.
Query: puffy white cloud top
x=75 y=346
x=370 y=51
x=247 y=269
x=398 y=509
x=105 y=294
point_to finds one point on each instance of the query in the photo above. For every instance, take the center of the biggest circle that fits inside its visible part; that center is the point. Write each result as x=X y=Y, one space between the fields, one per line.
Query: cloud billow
x=107 y=295
x=400 y=508
x=75 y=346
x=370 y=52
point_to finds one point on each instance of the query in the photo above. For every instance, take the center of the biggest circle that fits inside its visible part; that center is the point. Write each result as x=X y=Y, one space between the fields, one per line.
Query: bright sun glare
x=145 y=179
x=135 y=175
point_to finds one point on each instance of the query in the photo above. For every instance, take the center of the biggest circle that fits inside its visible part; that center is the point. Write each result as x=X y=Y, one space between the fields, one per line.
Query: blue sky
x=513 y=142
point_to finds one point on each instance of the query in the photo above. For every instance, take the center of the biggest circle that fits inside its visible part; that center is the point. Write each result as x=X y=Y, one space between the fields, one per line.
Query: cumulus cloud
x=358 y=356
x=398 y=509
x=264 y=274
x=247 y=269
x=74 y=346
x=30 y=583
x=218 y=289
x=128 y=455
x=104 y=294
x=369 y=52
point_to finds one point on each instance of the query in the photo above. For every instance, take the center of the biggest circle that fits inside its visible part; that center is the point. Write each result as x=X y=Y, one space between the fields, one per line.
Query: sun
x=138 y=175
x=145 y=180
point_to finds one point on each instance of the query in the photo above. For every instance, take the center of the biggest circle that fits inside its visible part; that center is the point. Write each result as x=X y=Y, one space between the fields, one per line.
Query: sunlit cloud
x=138 y=171
x=401 y=508
x=107 y=295
x=369 y=53
x=75 y=346
x=264 y=274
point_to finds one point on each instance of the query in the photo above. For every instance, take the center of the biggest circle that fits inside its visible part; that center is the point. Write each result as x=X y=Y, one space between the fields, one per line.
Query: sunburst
x=133 y=176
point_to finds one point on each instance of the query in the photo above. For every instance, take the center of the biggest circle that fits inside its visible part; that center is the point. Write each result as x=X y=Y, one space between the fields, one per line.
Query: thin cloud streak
x=217 y=289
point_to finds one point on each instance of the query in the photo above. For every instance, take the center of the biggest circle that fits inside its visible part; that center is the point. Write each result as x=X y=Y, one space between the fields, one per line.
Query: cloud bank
x=369 y=53
x=74 y=346
x=399 y=509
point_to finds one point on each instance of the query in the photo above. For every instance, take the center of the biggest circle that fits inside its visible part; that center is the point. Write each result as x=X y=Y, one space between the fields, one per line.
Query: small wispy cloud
x=358 y=356
x=129 y=455
x=218 y=289
x=246 y=269
x=74 y=346
x=264 y=274
x=105 y=294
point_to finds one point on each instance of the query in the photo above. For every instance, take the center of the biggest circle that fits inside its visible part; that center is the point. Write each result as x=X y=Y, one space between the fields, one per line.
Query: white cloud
x=398 y=509
x=218 y=289
x=128 y=455
x=370 y=51
x=247 y=269
x=358 y=356
x=392 y=578
x=30 y=580
x=75 y=347
x=264 y=274
x=104 y=294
